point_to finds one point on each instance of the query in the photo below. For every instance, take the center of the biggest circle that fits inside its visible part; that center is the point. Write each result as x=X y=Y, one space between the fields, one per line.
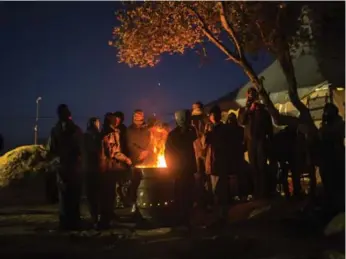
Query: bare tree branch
x=229 y=29
x=213 y=39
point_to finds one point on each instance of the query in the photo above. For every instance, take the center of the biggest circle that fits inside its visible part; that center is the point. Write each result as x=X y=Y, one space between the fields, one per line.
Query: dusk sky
x=59 y=51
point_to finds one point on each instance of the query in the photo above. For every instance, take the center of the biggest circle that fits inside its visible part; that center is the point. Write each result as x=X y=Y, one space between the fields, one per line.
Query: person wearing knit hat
x=138 y=140
x=65 y=143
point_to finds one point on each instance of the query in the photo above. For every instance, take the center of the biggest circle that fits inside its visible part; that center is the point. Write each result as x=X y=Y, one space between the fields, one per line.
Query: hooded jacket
x=179 y=150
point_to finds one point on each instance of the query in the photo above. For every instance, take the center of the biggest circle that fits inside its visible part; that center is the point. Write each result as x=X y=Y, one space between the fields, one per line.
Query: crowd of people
x=201 y=152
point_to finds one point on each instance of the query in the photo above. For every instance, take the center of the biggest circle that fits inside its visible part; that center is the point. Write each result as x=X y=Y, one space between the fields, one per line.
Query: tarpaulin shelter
x=308 y=77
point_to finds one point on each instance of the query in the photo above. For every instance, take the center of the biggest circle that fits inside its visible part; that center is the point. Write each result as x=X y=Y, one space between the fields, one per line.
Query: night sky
x=59 y=51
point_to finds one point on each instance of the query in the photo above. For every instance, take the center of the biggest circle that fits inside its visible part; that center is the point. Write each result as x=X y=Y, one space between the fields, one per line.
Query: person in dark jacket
x=237 y=161
x=218 y=146
x=258 y=135
x=113 y=161
x=138 y=141
x=65 y=143
x=92 y=160
x=284 y=146
x=332 y=135
x=181 y=161
x=123 y=174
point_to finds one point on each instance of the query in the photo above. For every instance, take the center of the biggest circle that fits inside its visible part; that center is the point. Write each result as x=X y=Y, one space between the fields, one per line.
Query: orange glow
x=157 y=148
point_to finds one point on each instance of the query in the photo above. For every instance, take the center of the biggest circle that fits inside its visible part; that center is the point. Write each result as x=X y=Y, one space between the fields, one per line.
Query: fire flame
x=161 y=161
x=157 y=148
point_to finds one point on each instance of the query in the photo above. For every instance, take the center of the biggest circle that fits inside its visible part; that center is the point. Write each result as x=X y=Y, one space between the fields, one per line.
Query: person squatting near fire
x=65 y=144
x=181 y=160
x=138 y=142
x=258 y=131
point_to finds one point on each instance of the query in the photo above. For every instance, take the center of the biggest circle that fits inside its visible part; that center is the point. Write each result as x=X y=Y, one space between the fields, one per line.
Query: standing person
x=198 y=120
x=123 y=172
x=258 y=135
x=181 y=160
x=236 y=156
x=92 y=161
x=65 y=144
x=217 y=143
x=332 y=134
x=113 y=160
x=138 y=141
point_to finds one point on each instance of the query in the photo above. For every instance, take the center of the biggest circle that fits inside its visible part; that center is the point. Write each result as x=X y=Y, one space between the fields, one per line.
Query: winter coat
x=236 y=146
x=65 y=143
x=257 y=124
x=138 y=140
x=217 y=143
x=112 y=157
x=199 y=122
x=92 y=151
x=179 y=151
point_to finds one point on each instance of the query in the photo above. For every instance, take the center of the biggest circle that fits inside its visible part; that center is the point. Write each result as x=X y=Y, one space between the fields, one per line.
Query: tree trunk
x=288 y=70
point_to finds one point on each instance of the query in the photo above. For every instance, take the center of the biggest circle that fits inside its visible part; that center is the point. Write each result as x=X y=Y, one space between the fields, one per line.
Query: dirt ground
x=261 y=229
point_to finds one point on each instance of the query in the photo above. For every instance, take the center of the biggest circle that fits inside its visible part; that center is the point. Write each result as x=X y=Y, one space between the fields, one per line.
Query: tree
x=150 y=29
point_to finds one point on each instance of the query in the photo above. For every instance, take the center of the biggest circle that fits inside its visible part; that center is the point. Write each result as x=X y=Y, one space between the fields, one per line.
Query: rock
x=336 y=225
x=259 y=211
x=333 y=255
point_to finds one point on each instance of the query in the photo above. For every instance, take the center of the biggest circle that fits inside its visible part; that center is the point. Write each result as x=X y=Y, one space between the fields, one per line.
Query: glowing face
x=97 y=125
x=117 y=121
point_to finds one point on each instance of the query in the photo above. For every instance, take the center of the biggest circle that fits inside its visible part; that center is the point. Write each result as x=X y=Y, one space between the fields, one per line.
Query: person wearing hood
x=181 y=161
x=258 y=133
x=138 y=141
x=218 y=146
x=91 y=160
x=332 y=168
x=65 y=144
x=113 y=162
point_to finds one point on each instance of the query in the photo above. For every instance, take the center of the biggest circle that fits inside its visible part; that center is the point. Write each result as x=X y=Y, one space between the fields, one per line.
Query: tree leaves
x=149 y=29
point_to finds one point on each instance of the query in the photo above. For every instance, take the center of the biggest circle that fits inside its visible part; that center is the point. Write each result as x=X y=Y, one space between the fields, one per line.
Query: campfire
x=158 y=139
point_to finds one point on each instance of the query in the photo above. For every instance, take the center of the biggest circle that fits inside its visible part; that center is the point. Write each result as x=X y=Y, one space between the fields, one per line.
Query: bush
x=22 y=173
